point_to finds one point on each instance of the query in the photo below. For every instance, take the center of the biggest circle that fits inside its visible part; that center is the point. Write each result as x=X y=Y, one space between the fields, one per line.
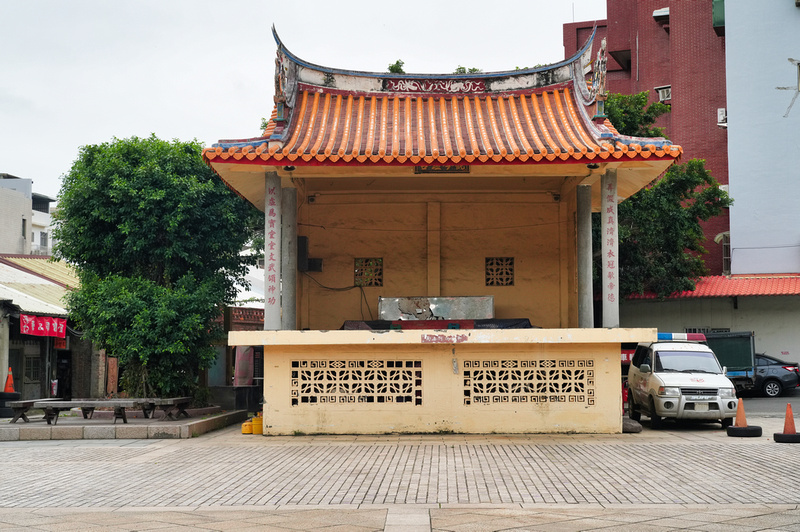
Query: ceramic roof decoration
x=342 y=118
x=337 y=116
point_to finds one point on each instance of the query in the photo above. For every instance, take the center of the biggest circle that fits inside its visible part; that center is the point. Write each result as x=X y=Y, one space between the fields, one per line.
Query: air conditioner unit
x=722 y=115
x=664 y=93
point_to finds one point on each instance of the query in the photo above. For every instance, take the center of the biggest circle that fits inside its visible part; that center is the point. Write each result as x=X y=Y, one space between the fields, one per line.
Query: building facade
x=417 y=186
x=674 y=51
x=750 y=51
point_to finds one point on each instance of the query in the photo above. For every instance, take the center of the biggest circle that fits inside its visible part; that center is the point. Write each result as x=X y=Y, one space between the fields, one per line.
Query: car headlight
x=669 y=391
x=727 y=392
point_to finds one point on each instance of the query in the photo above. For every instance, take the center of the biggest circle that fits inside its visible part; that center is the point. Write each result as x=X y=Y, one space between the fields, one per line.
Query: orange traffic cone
x=9 y=382
x=741 y=421
x=740 y=428
x=789 y=435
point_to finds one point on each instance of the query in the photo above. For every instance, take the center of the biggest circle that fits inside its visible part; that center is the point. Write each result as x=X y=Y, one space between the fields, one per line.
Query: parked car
x=775 y=376
x=679 y=377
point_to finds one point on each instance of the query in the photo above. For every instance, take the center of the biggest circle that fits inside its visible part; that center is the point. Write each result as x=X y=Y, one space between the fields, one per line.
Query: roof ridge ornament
x=599 y=82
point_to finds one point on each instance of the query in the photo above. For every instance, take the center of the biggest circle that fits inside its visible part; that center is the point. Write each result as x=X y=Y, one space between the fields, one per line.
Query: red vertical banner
x=42 y=326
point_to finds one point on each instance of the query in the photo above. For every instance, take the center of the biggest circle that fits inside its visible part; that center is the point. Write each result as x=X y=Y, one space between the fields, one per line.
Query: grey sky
x=81 y=72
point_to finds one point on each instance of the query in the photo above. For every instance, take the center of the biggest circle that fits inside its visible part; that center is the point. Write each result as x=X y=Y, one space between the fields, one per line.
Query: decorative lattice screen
x=368 y=272
x=499 y=271
x=356 y=381
x=528 y=381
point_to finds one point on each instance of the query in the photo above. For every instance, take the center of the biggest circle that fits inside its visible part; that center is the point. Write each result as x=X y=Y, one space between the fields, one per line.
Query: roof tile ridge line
x=487 y=145
x=421 y=151
x=526 y=146
x=395 y=152
x=574 y=112
x=565 y=146
x=457 y=133
x=348 y=119
x=543 y=127
x=564 y=116
x=383 y=118
x=408 y=143
x=480 y=75
x=326 y=107
x=356 y=149
x=334 y=126
x=312 y=120
x=431 y=104
x=287 y=148
x=531 y=126
x=509 y=131
x=29 y=271
x=502 y=150
x=447 y=143
x=473 y=140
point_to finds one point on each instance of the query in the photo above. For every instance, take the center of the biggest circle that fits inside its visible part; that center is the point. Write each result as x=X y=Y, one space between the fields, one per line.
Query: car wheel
x=727 y=422
x=655 y=419
x=633 y=412
x=772 y=388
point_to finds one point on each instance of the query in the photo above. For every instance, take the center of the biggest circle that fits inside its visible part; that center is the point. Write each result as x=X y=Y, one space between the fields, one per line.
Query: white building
x=25 y=223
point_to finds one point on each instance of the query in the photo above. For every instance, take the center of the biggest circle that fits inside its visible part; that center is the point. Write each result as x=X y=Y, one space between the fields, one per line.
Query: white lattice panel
x=356 y=381
x=528 y=381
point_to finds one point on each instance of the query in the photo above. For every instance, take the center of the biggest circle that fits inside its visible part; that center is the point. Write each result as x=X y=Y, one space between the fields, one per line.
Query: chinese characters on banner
x=272 y=247
x=42 y=326
x=272 y=253
x=610 y=247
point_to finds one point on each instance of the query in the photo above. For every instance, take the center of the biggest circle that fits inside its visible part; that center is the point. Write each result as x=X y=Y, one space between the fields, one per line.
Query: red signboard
x=42 y=326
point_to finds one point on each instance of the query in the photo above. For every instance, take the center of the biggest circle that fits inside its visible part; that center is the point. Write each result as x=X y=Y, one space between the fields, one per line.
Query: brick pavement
x=686 y=477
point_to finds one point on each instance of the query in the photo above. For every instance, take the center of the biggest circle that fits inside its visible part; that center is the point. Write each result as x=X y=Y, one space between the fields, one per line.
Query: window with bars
x=368 y=272
x=499 y=271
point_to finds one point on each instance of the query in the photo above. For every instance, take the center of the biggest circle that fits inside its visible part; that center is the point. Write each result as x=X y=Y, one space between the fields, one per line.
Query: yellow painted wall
x=443 y=357
x=435 y=245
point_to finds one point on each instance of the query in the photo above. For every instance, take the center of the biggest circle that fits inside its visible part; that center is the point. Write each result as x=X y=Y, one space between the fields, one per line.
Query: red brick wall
x=685 y=54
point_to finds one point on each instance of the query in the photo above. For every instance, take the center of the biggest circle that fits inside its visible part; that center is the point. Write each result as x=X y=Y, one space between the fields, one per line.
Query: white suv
x=681 y=378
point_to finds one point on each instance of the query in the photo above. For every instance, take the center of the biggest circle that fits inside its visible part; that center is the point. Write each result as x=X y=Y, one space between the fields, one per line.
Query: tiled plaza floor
x=691 y=477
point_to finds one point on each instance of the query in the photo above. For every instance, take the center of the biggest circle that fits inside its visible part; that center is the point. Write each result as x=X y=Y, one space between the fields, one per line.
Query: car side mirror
x=645 y=368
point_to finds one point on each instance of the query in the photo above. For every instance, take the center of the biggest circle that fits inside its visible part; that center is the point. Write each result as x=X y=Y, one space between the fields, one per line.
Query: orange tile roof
x=334 y=117
x=737 y=285
x=331 y=126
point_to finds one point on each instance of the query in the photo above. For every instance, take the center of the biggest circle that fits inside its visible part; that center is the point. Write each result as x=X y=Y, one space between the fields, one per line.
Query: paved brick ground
x=686 y=477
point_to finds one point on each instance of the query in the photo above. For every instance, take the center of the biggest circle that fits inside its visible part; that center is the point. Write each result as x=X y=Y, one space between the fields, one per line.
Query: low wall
x=468 y=381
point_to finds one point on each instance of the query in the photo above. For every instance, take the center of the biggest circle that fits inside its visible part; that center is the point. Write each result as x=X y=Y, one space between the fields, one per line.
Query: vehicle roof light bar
x=688 y=337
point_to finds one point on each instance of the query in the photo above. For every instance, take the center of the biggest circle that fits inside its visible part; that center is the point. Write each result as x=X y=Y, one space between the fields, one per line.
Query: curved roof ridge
x=478 y=75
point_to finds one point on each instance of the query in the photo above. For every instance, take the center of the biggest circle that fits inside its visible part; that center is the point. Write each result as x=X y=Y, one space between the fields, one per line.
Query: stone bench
x=21 y=408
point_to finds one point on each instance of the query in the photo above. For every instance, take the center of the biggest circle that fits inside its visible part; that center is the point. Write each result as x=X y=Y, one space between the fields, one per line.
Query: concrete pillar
x=272 y=252
x=609 y=236
x=585 y=292
x=289 y=259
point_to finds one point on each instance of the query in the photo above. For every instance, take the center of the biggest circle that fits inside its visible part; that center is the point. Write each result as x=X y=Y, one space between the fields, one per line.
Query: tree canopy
x=660 y=237
x=156 y=240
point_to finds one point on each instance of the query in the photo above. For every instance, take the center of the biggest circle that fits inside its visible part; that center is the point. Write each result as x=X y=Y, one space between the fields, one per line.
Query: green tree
x=156 y=240
x=660 y=236
x=631 y=114
x=397 y=67
x=464 y=70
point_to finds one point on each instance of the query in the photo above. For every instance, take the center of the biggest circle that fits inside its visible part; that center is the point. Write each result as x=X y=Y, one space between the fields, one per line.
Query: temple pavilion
x=428 y=248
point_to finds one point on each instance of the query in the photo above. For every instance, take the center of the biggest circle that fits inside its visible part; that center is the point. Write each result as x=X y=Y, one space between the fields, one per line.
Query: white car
x=679 y=377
